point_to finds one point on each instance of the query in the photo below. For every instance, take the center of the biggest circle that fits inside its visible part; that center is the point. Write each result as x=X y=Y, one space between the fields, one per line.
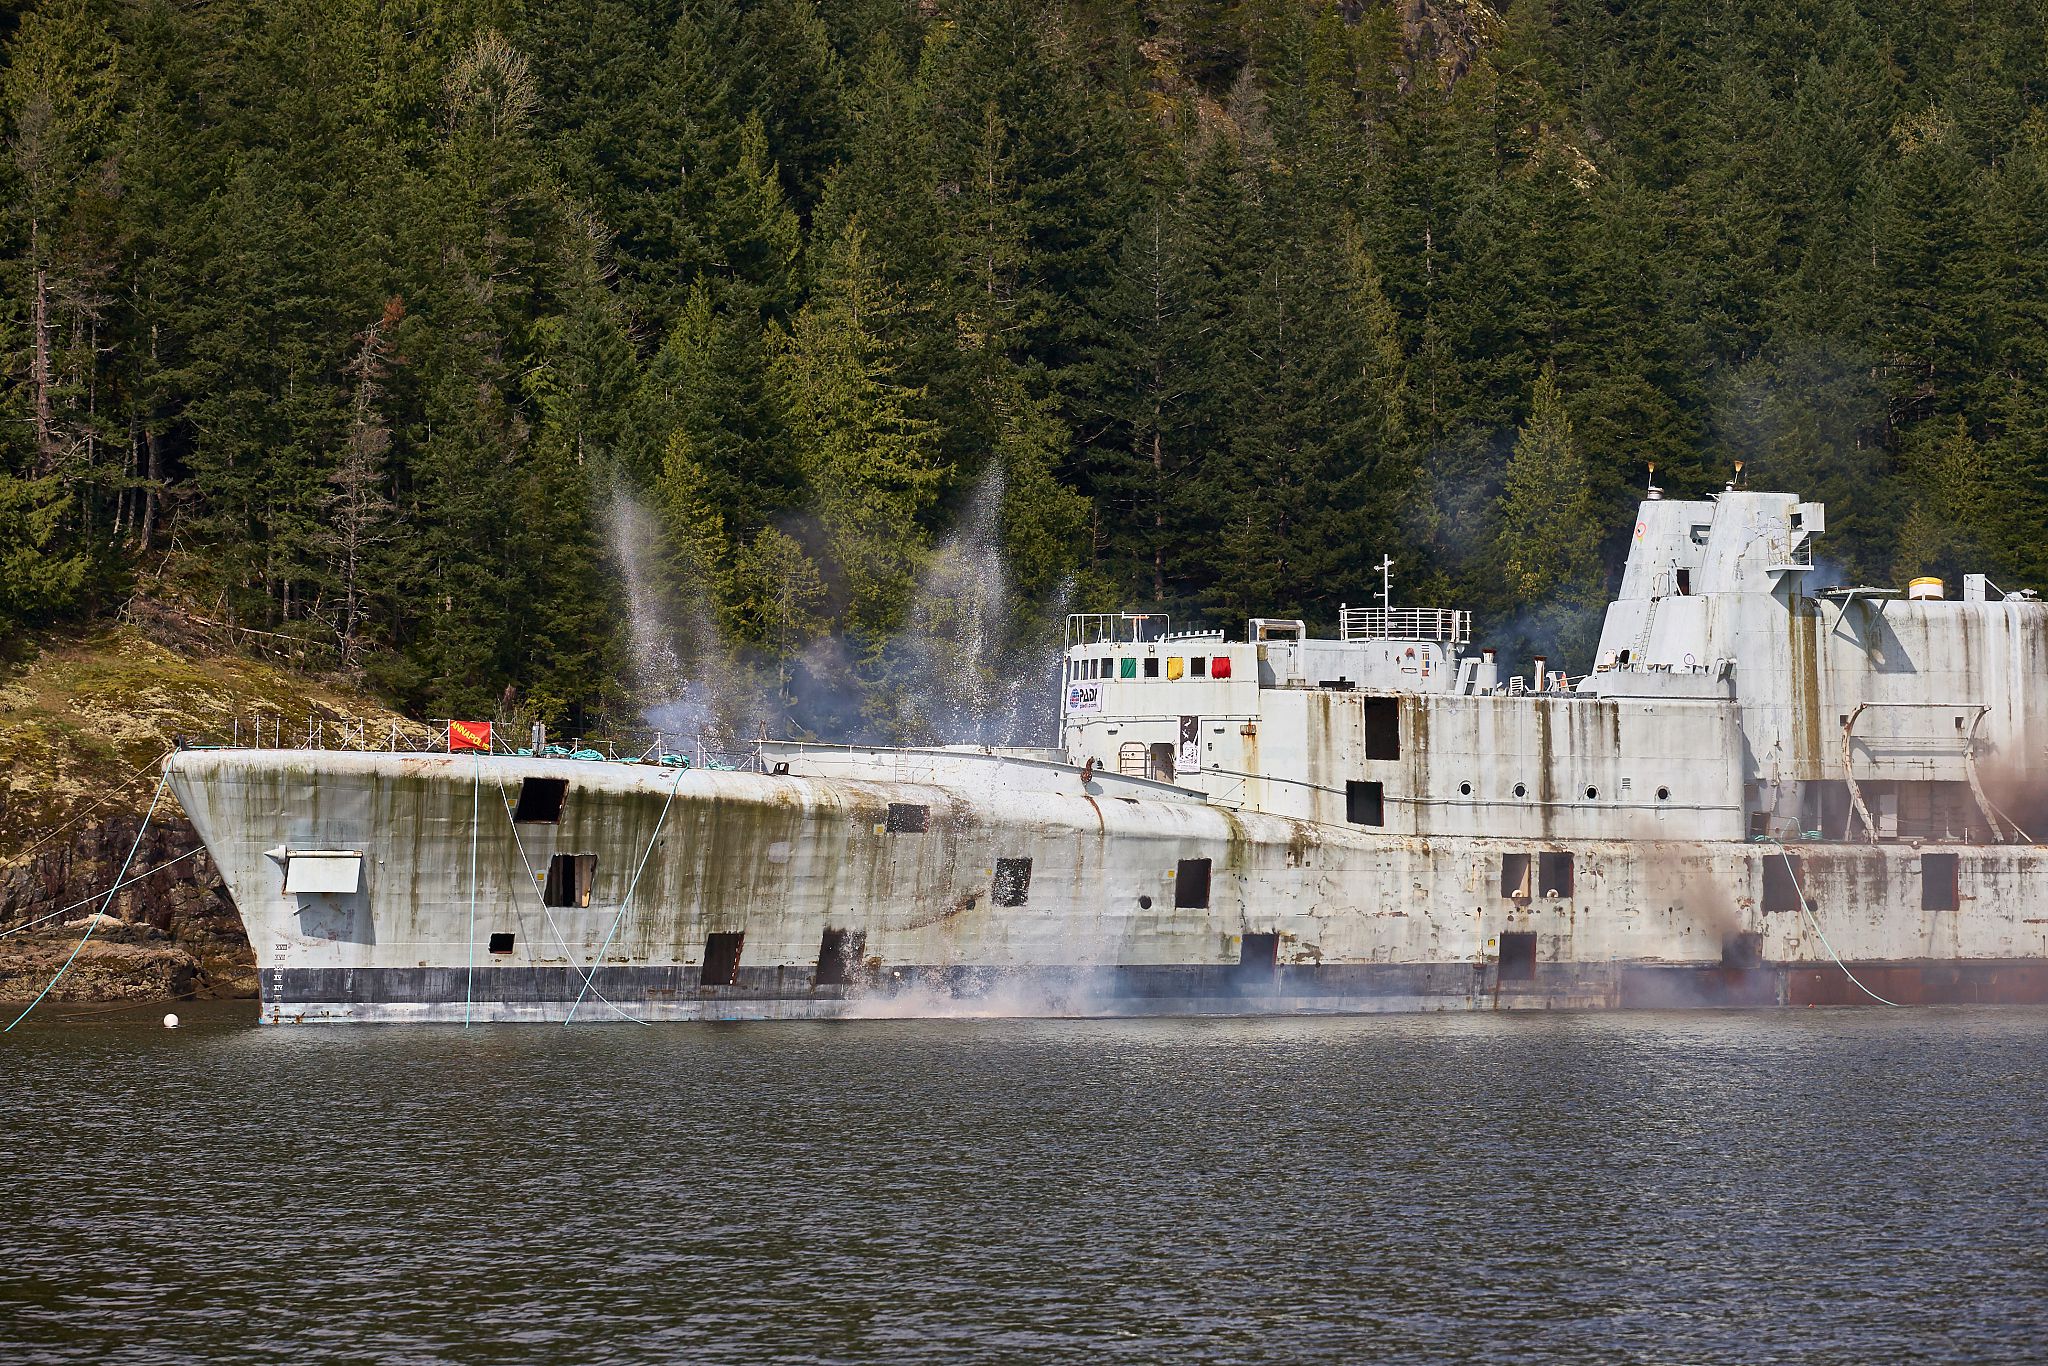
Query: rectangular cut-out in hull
x=569 y=880
x=540 y=801
x=722 y=959
x=839 y=954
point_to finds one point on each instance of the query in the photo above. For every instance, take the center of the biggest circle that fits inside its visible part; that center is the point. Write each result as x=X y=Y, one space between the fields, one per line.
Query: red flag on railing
x=469 y=735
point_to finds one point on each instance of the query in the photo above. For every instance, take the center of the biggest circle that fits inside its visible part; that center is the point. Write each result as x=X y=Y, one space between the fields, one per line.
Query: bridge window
x=1191 y=885
x=722 y=958
x=1365 y=803
x=1938 y=883
x=569 y=879
x=907 y=818
x=501 y=943
x=1152 y=667
x=1128 y=668
x=1554 y=876
x=1198 y=667
x=1382 y=728
x=1514 y=875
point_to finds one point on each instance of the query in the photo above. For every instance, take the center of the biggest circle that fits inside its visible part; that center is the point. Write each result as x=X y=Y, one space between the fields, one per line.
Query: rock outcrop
x=84 y=725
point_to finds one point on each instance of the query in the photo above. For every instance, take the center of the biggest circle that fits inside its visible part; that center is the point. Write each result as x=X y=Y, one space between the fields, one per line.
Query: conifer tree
x=59 y=93
x=710 y=385
x=1547 y=535
x=358 y=512
x=1225 y=300
x=871 y=463
x=1141 y=447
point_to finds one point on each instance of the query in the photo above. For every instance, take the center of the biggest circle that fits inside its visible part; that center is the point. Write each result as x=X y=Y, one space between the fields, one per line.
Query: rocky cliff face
x=172 y=933
x=84 y=725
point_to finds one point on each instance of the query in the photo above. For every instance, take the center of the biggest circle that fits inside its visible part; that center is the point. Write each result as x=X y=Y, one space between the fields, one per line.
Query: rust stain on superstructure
x=1802 y=623
x=1415 y=751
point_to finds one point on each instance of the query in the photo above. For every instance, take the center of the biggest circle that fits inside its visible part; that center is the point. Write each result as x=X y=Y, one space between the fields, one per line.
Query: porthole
x=1464 y=789
x=1521 y=790
x=1663 y=794
x=1144 y=903
x=1592 y=794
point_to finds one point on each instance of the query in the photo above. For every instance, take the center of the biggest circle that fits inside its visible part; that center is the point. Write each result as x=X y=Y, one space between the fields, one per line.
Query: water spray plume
x=965 y=667
x=980 y=669
x=676 y=652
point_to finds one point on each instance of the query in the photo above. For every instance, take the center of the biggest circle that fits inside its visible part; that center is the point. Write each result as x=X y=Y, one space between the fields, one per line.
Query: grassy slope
x=84 y=718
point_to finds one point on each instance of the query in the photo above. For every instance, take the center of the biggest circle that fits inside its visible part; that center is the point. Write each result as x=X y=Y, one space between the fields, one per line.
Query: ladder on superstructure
x=1643 y=641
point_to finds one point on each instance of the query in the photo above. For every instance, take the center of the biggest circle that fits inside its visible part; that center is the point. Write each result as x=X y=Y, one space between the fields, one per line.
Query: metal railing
x=1795 y=552
x=1447 y=624
x=271 y=730
x=1116 y=628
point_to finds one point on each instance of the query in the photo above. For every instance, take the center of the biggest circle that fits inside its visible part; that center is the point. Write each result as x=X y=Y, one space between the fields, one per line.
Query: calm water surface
x=1845 y=1186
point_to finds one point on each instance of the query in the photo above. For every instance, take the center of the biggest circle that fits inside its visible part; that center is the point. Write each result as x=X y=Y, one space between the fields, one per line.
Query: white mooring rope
x=124 y=882
x=1814 y=921
x=93 y=922
x=631 y=887
x=533 y=881
x=476 y=797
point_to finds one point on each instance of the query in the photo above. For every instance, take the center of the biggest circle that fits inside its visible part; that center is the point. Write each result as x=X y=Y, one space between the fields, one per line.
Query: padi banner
x=1190 y=757
x=468 y=735
x=1084 y=697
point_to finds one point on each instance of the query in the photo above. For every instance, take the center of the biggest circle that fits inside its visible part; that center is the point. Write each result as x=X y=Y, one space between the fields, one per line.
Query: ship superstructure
x=1766 y=792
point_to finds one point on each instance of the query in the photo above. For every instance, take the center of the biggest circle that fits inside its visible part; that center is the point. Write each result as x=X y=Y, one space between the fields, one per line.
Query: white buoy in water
x=171 y=1021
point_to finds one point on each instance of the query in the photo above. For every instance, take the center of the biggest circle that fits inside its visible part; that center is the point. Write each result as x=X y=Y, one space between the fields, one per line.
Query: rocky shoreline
x=173 y=934
x=85 y=720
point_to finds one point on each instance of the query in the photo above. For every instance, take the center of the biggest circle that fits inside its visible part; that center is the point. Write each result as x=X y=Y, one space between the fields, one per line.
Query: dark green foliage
x=375 y=326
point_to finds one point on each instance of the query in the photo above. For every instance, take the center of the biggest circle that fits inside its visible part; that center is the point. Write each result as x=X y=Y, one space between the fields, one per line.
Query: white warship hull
x=739 y=895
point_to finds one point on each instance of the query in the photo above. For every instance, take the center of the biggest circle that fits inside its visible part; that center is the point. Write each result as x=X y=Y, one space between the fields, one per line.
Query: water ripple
x=1837 y=1186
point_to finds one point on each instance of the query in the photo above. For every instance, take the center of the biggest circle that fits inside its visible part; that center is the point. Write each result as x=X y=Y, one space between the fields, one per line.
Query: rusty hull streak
x=1094 y=806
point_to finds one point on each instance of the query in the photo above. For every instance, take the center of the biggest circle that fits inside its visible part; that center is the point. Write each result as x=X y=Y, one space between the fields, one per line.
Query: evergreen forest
x=554 y=361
